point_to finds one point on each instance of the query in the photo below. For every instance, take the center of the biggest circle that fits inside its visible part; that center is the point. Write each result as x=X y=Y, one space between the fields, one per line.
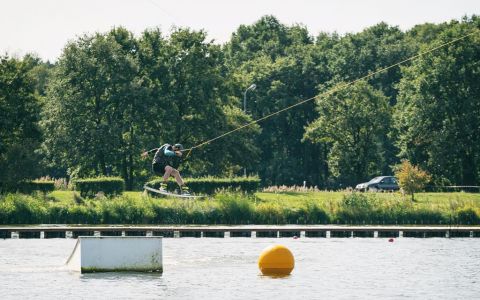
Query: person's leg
x=177 y=176
x=168 y=172
x=184 y=190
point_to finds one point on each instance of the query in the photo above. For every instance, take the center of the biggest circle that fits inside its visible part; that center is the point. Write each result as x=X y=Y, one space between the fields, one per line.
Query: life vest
x=162 y=159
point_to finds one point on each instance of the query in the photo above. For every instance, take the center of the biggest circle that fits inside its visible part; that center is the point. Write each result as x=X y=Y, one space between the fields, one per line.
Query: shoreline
x=250 y=231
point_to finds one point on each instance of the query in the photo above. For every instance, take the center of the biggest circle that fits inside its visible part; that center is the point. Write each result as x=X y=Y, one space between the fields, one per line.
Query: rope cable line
x=331 y=91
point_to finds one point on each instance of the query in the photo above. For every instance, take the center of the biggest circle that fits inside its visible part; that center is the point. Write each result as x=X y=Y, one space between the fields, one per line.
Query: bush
x=468 y=216
x=235 y=208
x=28 y=187
x=269 y=213
x=426 y=217
x=22 y=209
x=358 y=201
x=109 y=186
x=411 y=178
x=313 y=214
x=209 y=185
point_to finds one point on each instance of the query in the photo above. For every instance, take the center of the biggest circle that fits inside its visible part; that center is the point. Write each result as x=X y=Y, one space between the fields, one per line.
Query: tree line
x=109 y=96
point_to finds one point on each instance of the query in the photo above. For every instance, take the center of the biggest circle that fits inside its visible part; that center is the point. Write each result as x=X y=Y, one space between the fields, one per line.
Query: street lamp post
x=250 y=88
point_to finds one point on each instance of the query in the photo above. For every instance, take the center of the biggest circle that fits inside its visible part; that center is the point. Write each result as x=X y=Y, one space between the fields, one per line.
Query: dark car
x=381 y=183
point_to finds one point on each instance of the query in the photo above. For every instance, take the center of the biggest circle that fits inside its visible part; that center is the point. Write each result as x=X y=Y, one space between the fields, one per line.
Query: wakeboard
x=168 y=194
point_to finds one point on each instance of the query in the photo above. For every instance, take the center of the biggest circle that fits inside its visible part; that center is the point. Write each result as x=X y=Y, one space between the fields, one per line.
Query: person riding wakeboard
x=165 y=163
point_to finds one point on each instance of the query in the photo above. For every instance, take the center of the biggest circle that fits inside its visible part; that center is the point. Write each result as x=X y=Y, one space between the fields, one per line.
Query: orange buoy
x=276 y=260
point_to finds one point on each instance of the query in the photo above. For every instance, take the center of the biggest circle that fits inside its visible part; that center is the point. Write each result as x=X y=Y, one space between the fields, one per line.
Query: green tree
x=94 y=103
x=438 y=114
x=266 y=37
x=113 y=96
x=286 y=67
x=356 y=55
x=376 y=47
x=353 y=122
x=281 y=83
x=185 y=76
x=40 y=73
x=19 y=115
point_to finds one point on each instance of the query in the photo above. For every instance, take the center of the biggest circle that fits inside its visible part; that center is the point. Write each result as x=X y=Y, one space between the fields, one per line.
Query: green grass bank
x=66 y=207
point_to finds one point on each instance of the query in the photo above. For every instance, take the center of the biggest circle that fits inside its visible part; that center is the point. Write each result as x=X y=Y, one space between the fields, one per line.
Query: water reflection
x=274 y=276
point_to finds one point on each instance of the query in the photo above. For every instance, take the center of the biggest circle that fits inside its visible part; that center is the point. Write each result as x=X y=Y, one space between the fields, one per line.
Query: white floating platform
x=117 y=254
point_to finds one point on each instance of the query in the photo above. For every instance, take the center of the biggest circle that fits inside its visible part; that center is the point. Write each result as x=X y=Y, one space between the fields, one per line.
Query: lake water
x=208 y=268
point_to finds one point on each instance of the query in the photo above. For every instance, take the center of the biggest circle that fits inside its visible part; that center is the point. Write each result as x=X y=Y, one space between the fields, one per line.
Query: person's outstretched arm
x=146 y=153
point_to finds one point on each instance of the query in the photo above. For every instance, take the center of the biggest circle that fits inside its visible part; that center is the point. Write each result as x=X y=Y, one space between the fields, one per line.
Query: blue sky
x=44 y=26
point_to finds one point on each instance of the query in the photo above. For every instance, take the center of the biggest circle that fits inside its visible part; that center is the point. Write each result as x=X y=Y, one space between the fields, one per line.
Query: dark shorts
x=159 y=169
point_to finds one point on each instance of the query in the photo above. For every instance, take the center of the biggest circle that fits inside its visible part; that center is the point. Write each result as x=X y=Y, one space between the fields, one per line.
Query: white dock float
x=117 y=254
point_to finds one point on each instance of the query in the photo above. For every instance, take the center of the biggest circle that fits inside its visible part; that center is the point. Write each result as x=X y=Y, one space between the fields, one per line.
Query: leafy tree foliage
x=285 y=66
x=198 y=107
x=95 y=101
x=19 y=115
x=266 y=37
x=438 y=114
x=353 y=122
x=357 y=55
x=184 y=76
x=114 y=95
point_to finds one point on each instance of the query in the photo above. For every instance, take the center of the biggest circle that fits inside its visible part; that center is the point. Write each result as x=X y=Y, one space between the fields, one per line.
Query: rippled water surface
x=209 y=268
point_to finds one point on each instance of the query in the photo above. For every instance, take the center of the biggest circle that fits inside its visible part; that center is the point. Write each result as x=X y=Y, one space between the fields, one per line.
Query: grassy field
x=60 y=207
x=323 y=196
x=437 y=200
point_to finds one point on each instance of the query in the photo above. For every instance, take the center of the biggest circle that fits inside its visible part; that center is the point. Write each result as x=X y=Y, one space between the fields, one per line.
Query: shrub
x=58 y=213
x=357 y=208
x=235 y=208
x=358 y=201
x=78 y=199
x=411 y=178
x=313 y=214
x=22 y=209
x=28 y=187
x=430 y=216
x=468 y=216
x=109 y=186
x=209 y=185
x=269 y=213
